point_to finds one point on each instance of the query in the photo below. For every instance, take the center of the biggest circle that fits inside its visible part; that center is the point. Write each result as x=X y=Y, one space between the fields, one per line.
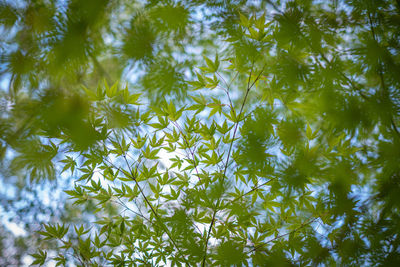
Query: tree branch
x=283 y=235
x=228 y=157
x=151 y=206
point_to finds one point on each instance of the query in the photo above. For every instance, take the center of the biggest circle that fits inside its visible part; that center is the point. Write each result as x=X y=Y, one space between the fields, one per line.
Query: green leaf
x=39 y=258
x=112 y=91
x=212 y=67
x=244 y=21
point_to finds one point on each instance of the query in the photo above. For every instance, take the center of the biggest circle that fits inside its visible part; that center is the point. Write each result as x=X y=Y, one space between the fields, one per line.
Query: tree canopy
x=201 y=133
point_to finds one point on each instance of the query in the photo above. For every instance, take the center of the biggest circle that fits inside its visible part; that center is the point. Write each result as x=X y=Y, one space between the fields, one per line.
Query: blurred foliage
x=49 y=49
x=242 y=133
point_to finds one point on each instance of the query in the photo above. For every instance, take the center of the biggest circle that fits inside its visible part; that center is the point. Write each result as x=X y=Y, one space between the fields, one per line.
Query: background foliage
x=278 y=147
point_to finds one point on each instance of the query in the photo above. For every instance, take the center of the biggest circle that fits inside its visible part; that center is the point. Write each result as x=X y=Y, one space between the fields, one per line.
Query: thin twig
x=190 y=150
x=252 y=190
x=120 y=202
x=228 y=157
x=226 y=89
x=283 y=235
x=151 y=206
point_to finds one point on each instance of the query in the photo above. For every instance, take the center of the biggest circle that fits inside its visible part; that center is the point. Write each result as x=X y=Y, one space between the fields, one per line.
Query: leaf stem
x=228 y=158
x=151 y=206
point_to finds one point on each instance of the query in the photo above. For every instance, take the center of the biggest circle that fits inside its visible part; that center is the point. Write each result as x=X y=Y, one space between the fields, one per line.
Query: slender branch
x=193 y=158
x=190 y=150
x=283 y=235
x=226 y=89
x=252 y=190
x=228 y=157
x=120 y=202
x=151 y=206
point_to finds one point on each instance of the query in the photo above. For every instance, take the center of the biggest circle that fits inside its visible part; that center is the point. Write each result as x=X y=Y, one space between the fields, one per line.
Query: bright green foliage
x=284 y=153
x=271 y=180
x=49 y=51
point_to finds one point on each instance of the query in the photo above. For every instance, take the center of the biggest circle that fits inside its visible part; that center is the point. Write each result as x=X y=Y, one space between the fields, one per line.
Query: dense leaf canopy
x=201 y=133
